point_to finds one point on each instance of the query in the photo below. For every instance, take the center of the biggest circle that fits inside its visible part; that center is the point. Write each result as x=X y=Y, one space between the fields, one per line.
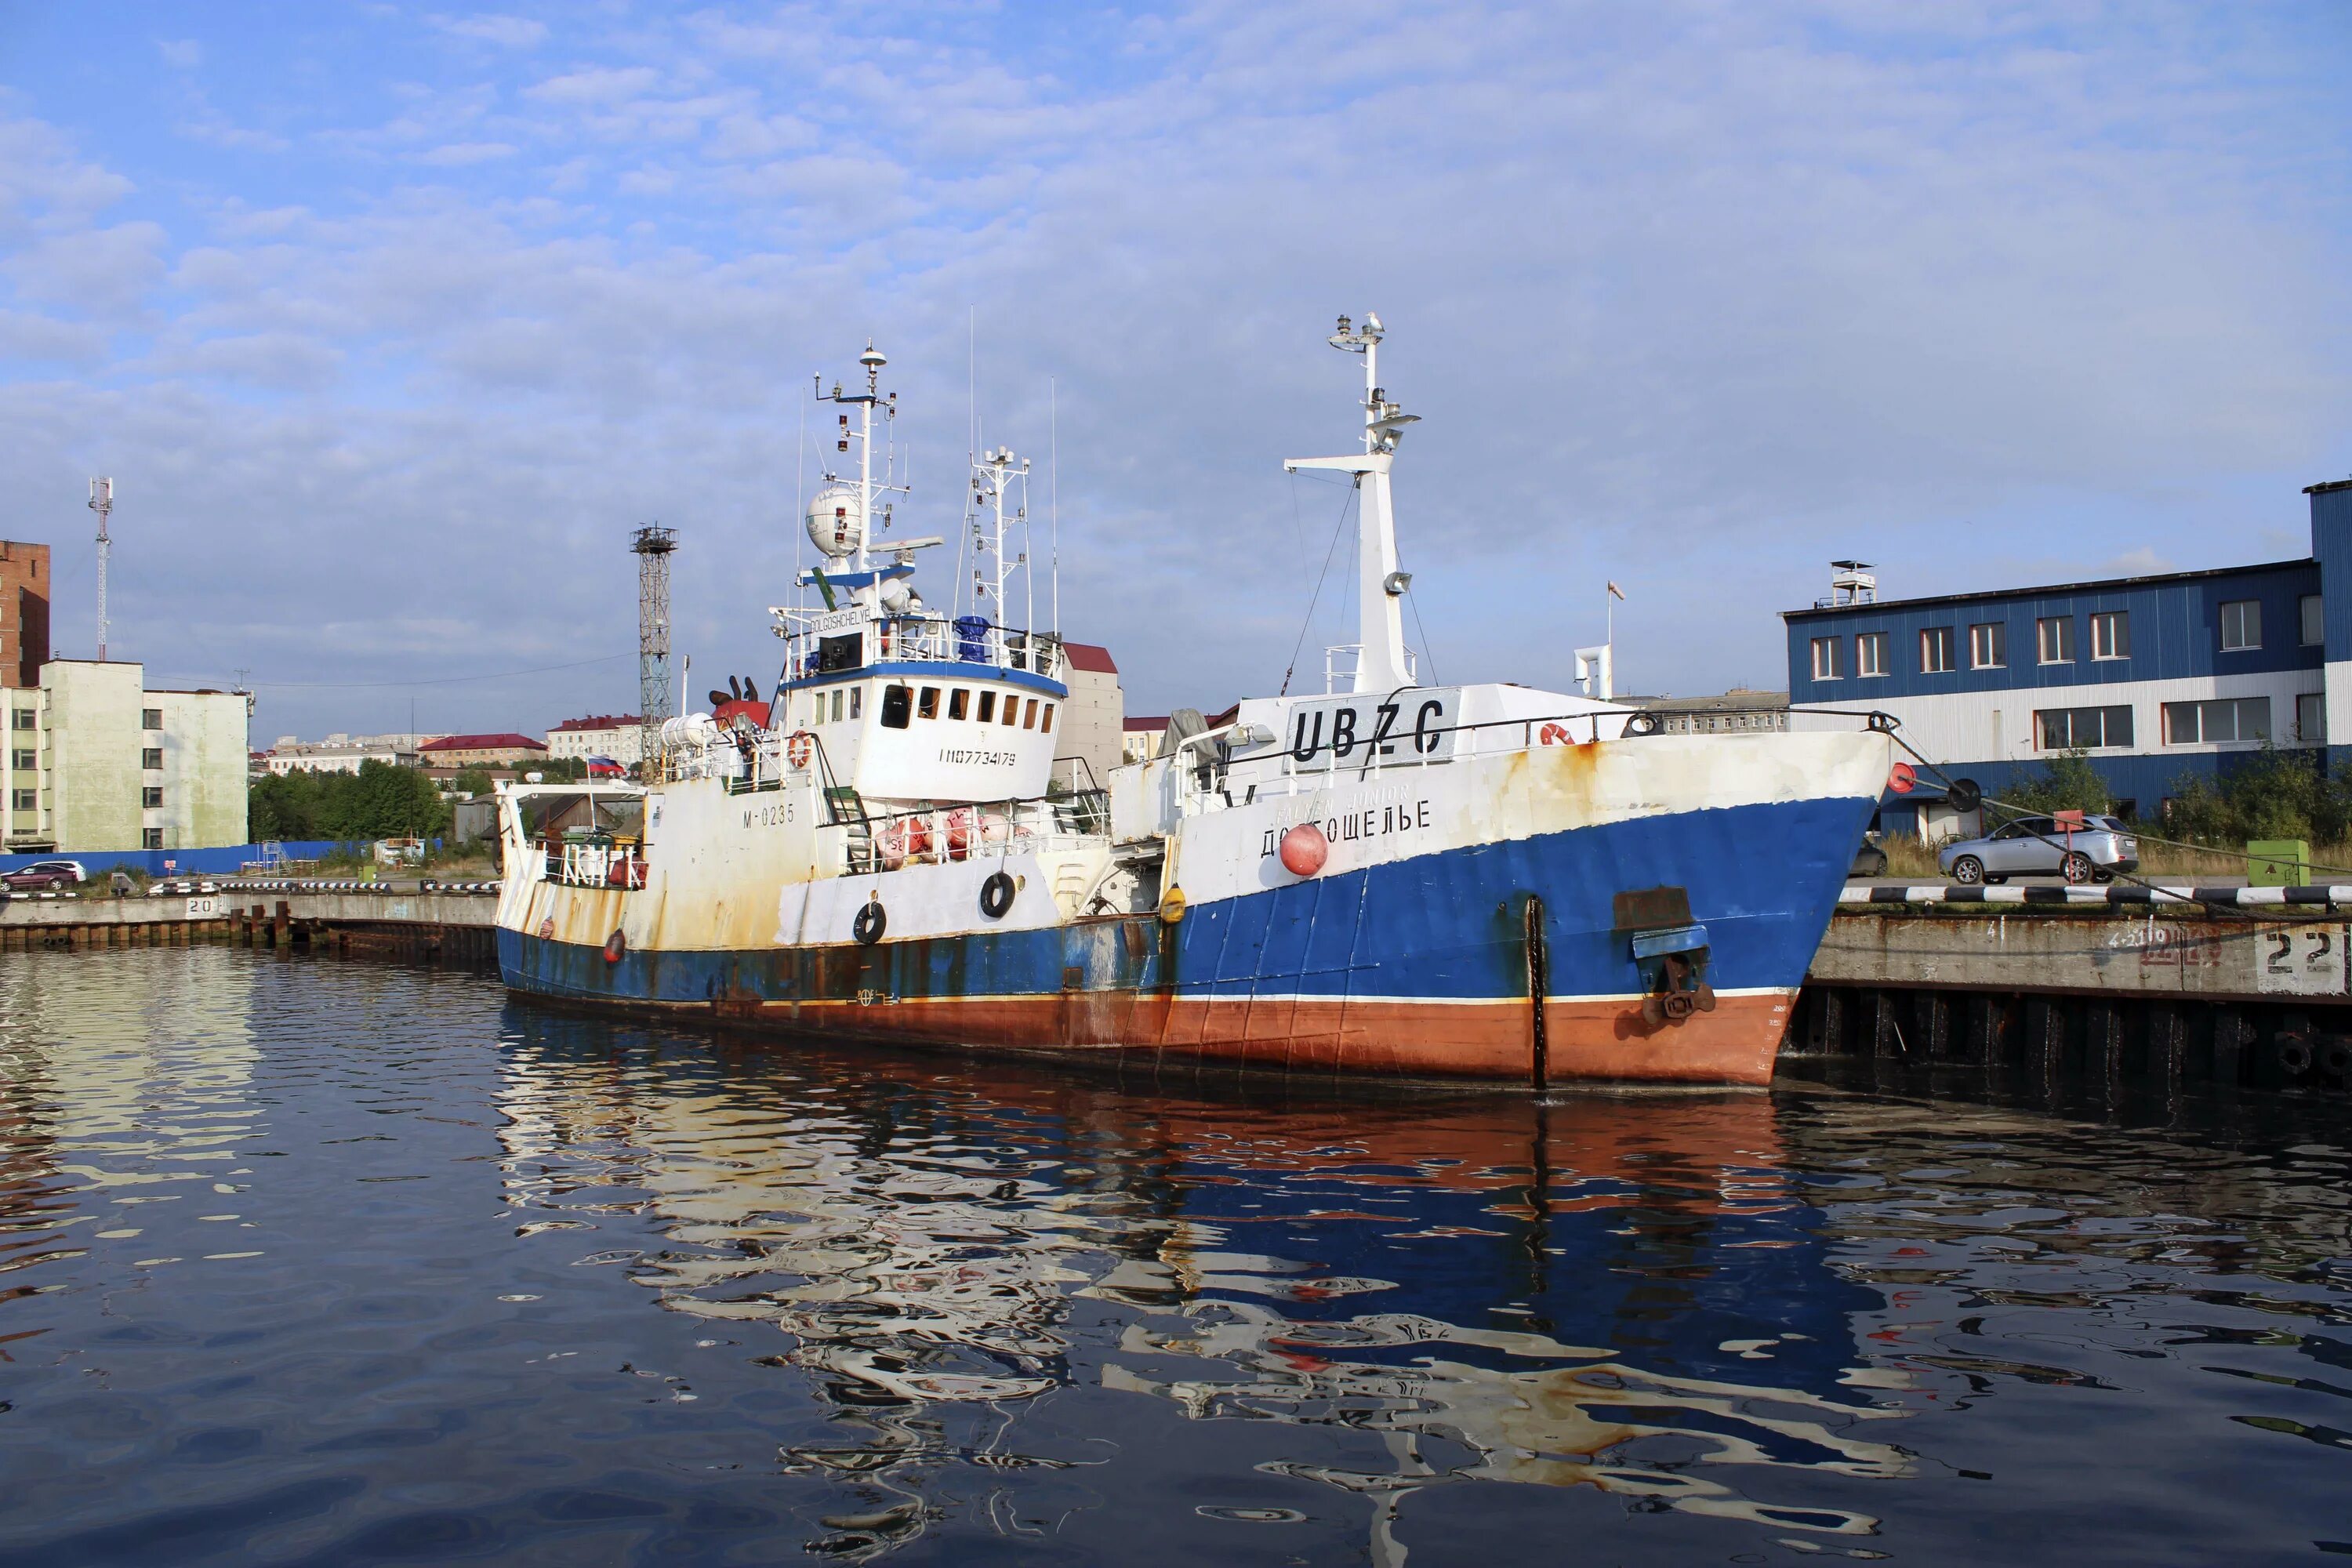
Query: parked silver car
x=2037 y=846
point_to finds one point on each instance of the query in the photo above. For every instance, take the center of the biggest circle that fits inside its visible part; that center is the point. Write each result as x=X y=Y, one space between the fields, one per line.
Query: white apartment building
x=615 y=735
x=96 y=762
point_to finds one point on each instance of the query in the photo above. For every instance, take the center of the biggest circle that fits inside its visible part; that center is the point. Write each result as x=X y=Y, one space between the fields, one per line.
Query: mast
x=1380 y=585
x=868 y=592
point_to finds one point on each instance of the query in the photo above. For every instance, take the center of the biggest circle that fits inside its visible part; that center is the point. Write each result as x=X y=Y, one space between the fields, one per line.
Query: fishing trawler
x=1480 y=882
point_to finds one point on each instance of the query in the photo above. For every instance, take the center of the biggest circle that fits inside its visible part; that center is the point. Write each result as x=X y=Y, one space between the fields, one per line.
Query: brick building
x=23 y=613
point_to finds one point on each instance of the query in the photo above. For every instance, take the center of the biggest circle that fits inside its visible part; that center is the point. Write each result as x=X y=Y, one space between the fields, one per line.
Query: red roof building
x=500 y=751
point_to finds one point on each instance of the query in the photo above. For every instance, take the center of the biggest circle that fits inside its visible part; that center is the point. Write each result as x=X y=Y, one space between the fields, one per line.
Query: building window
x=2242 y=624
x=2082 y=729
x=2217 y=722
x=897 y=706
x=927 y=706
x=27 y=800
x=1829 y=659
x=1870 y=653
x=959 y=702
x=2111 y=635
x=152 y=795
x=2054 y=636
x=28 y=761
x=1935 y=650
x=2314 y=625
x=22 y=718
x=2311 y=716
x=1988 y=646
x=151 y=838
x=987 y=706
x=151 y=757
x=151 y=719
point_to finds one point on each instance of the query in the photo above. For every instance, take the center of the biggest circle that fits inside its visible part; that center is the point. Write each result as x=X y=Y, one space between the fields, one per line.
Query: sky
x=392 y=324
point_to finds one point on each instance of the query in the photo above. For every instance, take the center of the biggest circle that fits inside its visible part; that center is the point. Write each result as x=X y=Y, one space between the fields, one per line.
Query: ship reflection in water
x=337 y=1264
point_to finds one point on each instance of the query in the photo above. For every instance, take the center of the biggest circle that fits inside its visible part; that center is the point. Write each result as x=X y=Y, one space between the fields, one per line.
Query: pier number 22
x=2303 y=960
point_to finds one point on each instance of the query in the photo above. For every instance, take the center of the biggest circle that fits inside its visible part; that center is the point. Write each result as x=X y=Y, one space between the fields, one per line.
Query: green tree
x=2067 y=782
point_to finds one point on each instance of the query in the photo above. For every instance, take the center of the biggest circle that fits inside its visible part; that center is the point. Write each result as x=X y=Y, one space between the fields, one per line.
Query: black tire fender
x=871 y=922
x=996 y=895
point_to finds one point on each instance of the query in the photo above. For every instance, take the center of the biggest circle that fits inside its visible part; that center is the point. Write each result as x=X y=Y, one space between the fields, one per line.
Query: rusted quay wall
x=2164 y=996
x=451 y=927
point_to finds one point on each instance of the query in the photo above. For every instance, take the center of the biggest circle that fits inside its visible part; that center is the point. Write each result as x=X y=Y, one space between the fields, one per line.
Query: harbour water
x=308 y=1262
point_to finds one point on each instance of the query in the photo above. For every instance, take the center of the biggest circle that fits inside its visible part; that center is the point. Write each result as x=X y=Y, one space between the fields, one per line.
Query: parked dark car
x=2034 y=846
x=43 y=875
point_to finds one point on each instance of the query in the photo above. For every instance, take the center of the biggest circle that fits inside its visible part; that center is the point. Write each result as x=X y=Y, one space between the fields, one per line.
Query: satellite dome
x=836 y=517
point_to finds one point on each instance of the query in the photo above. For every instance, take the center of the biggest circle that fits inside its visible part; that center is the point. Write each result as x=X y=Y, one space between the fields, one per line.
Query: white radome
x=836 y=516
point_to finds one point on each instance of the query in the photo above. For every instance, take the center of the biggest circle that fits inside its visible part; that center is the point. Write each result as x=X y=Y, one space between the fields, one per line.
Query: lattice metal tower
x=652 y=546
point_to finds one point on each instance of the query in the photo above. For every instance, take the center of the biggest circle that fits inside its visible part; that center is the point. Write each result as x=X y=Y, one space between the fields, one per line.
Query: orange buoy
x=1304 y=850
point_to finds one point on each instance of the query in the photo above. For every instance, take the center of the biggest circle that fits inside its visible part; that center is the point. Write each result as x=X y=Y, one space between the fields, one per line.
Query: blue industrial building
x=2152 y=678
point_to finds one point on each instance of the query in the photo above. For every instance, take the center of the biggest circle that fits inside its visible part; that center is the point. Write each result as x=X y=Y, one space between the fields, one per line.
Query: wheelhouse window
x=846 y=651
x=1046 y=720
x=897 y=706
x=2217 y=722
x=2054 y=639
x=987 y=713
x=1988 y=646
x=1935 y=650
x=837 y=700
x=1012 y=710
x=857 y=700
x=927 y=706
x=958 y=701
x=2242 y=624
x=1870 y=653
x=2314 y=625
x=1029 y=715
x=2111 y=635
x=1829 y=659
x=2082 y=729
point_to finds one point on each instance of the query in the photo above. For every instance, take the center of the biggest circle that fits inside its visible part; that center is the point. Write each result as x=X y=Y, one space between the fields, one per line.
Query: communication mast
x=652 y=546
x=102 y=501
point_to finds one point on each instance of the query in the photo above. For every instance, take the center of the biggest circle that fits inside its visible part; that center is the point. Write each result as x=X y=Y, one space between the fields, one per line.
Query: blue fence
x=182 y=862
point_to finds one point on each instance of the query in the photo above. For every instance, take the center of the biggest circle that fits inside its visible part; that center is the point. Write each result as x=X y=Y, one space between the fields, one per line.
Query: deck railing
x=940 y=834
x=960 y=639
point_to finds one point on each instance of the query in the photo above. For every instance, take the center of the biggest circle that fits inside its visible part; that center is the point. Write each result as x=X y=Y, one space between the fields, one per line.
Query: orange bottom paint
x=1601 y=1040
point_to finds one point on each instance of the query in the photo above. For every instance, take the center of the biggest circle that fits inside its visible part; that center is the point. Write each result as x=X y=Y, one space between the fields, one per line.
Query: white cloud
x=180 y=54
x=508 y=32
x=457 y=154
x=596 y=85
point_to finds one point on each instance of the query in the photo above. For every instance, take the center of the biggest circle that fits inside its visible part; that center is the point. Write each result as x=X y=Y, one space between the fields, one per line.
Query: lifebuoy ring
x=870 y=924
x=615 y=946
x=996 y=895
x=798 y=750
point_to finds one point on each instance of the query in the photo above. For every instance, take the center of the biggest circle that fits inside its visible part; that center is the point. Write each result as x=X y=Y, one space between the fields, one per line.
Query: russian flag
x=604 y=768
